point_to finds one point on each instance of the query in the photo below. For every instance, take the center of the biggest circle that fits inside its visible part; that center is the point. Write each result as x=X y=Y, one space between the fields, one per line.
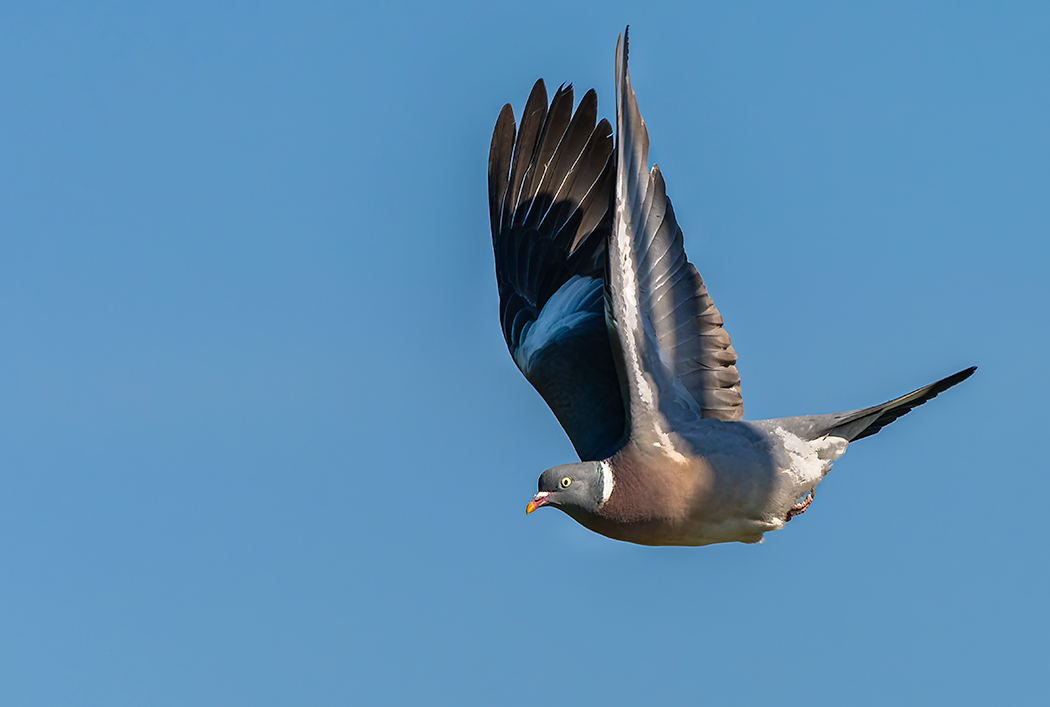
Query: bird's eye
x=565 y=482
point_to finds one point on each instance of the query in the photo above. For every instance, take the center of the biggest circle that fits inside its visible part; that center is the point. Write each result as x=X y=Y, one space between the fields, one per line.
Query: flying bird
x=613 y=326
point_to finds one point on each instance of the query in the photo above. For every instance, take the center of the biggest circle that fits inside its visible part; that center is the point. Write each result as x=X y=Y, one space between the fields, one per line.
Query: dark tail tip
x=906 y=403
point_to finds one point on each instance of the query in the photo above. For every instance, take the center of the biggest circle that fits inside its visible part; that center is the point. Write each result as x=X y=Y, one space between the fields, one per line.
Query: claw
x=800 y=507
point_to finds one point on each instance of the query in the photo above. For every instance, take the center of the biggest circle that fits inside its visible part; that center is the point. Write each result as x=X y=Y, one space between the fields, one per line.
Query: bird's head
x=583 y=486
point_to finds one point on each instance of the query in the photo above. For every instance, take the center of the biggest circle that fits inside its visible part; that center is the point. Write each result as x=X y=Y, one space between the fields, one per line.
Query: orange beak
x=538 y=500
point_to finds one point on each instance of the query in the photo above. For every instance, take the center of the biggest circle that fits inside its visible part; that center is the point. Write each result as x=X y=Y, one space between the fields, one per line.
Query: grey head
x=582 y=486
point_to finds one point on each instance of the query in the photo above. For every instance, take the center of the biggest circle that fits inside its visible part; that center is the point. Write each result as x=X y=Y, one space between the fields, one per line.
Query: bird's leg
x=800 y=507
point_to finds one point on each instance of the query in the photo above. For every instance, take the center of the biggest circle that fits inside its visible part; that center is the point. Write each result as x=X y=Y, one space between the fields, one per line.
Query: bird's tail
x=864 y=423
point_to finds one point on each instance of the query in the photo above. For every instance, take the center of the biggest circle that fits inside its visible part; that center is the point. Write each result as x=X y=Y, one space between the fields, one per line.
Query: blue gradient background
x=260 y=439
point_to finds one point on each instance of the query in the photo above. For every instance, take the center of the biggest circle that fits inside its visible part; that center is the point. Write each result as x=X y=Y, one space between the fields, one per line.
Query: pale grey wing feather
x=685 y=320
x=677 y=360
x=656 y=401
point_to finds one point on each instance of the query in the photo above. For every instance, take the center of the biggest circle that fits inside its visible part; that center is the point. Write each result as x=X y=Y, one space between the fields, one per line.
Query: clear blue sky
x=261 y=442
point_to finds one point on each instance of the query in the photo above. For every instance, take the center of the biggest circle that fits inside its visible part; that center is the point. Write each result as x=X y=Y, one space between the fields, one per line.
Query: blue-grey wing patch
x=549 y=183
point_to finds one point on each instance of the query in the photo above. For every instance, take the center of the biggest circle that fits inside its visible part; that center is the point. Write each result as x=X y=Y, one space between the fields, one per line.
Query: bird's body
x=718 y=482
x=609 y=321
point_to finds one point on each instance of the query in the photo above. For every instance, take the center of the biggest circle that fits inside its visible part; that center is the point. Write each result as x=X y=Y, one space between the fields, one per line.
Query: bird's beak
x=538 y=500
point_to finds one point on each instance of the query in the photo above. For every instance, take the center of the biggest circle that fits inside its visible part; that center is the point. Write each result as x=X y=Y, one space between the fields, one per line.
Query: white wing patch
x=560 y=314
x=605 y=469
x=632 y=316
x=629 y=291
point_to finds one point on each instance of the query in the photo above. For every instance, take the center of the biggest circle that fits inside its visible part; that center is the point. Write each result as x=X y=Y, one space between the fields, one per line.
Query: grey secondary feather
x=678 y=357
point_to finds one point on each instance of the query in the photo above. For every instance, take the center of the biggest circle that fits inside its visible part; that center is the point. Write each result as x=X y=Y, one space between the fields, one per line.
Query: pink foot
x=800 y=507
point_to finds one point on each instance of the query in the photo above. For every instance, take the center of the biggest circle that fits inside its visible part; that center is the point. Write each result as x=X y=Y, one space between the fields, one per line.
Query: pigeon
x=613 y=326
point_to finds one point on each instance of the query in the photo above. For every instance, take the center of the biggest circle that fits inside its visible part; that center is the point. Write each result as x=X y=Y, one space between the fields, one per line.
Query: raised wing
x=678 y=361
x=549 y=196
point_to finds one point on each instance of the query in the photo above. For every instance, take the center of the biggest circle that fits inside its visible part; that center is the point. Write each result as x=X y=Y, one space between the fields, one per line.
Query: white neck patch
x=604 y=469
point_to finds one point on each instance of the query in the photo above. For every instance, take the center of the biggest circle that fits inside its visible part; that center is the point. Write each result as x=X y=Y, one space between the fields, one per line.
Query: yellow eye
x=565 y=482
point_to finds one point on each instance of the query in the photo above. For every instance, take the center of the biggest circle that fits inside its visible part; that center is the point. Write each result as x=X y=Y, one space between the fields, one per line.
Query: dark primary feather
x=549 y=196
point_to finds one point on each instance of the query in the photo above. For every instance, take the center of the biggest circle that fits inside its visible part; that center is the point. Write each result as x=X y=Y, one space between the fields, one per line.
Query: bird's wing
x=549 y=201
x=677 y=361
